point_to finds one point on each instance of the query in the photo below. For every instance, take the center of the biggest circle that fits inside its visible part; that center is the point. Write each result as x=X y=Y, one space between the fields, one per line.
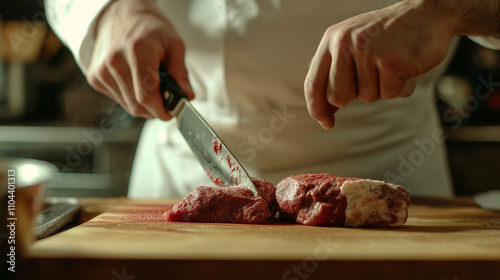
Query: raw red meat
x=324 y=199
x=235 y=204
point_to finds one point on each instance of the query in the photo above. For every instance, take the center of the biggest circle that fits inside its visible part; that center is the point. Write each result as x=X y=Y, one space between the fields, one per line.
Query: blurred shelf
x=92 y=161
x=48 y=134
x=474 y=134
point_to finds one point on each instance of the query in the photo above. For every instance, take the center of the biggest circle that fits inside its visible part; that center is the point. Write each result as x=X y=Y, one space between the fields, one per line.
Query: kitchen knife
x=219 y=163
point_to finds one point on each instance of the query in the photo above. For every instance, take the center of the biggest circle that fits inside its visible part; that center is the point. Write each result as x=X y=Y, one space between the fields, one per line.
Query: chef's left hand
x=374 y=55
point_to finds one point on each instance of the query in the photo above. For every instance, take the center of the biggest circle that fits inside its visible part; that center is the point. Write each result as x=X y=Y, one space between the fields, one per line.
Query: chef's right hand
x=132 y=39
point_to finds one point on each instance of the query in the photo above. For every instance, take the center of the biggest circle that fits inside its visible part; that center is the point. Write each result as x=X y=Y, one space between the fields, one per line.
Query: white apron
x=247 y=61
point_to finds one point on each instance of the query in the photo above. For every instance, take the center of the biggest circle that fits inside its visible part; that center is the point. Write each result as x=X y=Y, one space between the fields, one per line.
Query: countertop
x=119 y=238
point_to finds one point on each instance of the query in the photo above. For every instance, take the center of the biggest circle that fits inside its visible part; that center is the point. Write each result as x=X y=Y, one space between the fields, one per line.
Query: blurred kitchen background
x=468 y=96
x=49 y=112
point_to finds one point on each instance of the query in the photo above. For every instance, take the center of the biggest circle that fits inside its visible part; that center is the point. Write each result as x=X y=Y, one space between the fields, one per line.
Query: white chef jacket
x=247 y=60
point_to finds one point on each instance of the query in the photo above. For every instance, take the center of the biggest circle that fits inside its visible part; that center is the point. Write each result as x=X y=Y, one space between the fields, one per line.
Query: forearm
x=467 y=17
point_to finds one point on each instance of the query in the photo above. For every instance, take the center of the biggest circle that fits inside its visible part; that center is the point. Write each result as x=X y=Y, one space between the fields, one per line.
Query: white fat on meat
x=369 y=202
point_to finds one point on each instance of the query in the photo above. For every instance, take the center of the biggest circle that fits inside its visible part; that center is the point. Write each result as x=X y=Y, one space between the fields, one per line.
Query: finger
x=330 y=111
x=146 y=82
x=367 y=79
x=104 y=83
x=175 y=60
x=391 y=86
x=315 y=86
x=109 y=92
x=409 y=88
x=100 y=80
x=152 y=99
x=120 y=70
x=99 y=85
x=342 y=83
x=390 y=80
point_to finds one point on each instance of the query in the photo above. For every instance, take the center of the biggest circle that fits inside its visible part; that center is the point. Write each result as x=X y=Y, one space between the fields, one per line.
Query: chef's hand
x=132 y=39
x=374 y=55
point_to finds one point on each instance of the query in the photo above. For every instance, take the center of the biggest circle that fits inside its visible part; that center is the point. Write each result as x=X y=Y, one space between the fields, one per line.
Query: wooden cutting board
x=437 y=230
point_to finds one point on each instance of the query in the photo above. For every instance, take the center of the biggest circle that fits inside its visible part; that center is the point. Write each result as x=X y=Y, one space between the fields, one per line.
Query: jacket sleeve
x=491 y=42
x=74 y=23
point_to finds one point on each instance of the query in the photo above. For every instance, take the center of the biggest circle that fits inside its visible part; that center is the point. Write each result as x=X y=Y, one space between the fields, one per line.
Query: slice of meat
x=324 y=199
x=311 y=199
x=235 y=204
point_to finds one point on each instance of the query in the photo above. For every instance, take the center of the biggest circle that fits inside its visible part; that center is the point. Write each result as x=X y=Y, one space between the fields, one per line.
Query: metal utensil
x=58 y=212
x=217 y=161
x=22 y=192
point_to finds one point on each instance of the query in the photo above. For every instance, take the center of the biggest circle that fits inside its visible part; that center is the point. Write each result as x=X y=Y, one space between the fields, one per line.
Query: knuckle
x=96 y=80
x=93 y=80
x=176 y=48
x=368 y=98
x=396 y=66
x=339 y=100
x=136 y=41
x=389 y=65
x=136 y=111
x=361 y=40
x=330 y=31
x=338 y=32
x=115 y=59
x=142 y=97
x=342 y=35
x=138 y=45
x=390 y=91
x=177 y=43
x=337 y=40
x=367 y=92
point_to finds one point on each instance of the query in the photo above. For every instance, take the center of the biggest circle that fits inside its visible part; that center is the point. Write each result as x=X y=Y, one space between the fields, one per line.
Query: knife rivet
x=166 y=94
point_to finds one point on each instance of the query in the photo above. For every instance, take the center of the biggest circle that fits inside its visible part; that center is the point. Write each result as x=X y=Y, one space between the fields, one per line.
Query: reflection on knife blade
x=200 y=138
x=234 y=167
x=217 y=161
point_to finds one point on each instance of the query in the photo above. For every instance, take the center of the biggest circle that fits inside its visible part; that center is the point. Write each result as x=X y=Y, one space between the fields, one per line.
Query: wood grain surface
x=445 y=230
x=444 y=239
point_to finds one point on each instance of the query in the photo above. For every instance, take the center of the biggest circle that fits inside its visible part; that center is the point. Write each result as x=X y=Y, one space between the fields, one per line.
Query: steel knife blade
x=218 y=162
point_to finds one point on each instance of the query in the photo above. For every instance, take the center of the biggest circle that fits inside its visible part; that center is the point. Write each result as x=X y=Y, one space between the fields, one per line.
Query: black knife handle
x=170 y=91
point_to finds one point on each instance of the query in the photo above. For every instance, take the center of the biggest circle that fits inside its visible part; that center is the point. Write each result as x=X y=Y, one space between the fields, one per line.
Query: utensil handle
x=170 y=91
